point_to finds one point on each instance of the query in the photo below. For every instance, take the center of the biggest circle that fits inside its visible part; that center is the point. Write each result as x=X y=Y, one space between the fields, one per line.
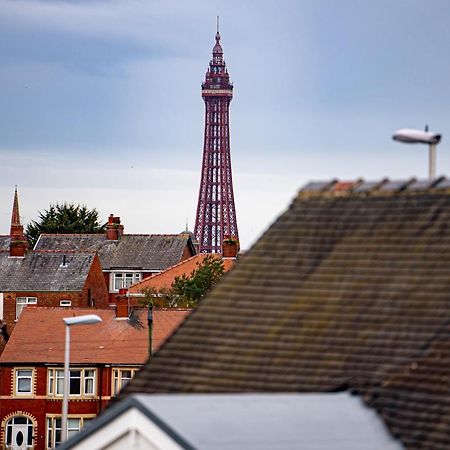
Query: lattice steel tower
x=216 y=214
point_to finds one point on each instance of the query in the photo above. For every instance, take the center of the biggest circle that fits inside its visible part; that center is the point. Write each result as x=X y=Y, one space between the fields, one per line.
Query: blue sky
x=100 y=101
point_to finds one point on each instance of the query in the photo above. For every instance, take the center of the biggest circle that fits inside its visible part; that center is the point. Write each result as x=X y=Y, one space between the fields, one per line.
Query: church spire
x=18 y=244
x=15 y=218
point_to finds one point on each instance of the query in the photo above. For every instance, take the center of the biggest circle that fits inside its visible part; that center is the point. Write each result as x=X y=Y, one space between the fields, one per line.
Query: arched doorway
x=19 y=433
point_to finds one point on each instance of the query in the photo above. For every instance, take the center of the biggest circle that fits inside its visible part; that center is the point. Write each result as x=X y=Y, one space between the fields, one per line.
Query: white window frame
x=18 y=377
x=53 y=427
x=65 y=303
x=24 y=301
x=118 y=379
x=87 y=383
x=124 y=279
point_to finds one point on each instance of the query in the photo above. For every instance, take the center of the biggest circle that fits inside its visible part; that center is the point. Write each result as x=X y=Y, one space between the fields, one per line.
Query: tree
x=64 y=218
x=188 y=290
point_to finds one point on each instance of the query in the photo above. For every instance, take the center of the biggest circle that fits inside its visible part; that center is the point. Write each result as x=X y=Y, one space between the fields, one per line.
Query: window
x=120 y=378
x=23 y=381
x=74 y=425
x=125 y=280
x=19 y=430
x=21 y=302
x=81 y=382
x=65 y=303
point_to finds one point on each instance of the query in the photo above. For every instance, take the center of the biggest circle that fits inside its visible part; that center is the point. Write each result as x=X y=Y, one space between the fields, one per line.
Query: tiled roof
x=4 y=243
x=113 y=341
x=165 y=278
x=349 y=289
x=165 y=322
x=131 y=251
x=44 y=272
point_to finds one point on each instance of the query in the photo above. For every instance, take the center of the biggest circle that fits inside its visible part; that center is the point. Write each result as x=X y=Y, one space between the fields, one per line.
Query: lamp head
x=80 y=320
x=411 y=136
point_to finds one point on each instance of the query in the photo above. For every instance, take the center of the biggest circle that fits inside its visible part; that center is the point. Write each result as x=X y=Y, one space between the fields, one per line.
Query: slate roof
x=165 y=278
x=44 y=272
x=245 y=421
x=112 y=341
x=131 y=251
x=349 y=289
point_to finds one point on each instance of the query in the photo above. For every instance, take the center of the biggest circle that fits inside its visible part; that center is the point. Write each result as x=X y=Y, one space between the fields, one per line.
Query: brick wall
x=187 y=253
x=49 y=299
x=37 y=408
x=95 y=290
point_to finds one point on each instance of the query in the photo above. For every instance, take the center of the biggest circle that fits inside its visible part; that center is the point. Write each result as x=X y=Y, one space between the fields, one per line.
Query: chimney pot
x=230 y=247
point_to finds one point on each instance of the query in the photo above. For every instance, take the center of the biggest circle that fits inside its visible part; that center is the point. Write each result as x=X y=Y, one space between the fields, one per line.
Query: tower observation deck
x=216 y=214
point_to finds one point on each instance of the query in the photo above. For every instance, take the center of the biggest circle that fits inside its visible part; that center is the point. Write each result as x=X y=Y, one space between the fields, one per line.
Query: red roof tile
x=39 y=336
x=165 y=322
x=167 y=277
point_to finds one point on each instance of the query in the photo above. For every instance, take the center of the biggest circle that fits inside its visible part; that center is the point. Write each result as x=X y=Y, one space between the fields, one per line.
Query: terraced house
x=104 y=358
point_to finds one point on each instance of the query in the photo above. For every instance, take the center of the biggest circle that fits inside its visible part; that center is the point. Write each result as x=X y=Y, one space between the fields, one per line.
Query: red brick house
x=104 y=357
x=44 y=278
x=49 y=279
x=125 y=258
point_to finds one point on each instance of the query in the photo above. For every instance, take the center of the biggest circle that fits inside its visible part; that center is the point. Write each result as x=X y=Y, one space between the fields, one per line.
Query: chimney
x=230 y=247
x=18 y=242
x=122 y=304
x=114 y=230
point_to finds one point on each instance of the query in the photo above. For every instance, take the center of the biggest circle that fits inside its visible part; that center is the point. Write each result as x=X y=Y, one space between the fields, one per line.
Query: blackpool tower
x=216 y=214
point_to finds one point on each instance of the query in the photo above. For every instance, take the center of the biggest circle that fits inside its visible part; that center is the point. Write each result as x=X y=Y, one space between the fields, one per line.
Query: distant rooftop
x=132 y=251
x=249 y=421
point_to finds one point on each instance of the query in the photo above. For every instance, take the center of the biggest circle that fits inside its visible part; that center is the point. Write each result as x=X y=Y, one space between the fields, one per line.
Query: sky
x=100 y=101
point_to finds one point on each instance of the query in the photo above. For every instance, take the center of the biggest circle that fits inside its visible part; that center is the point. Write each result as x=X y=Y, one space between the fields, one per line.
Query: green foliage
x=64 y=218
x=188 y=290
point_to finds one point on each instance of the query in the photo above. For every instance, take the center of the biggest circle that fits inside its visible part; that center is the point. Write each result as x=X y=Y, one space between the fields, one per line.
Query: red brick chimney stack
x=114 y=230
x=18 y=245
x=230 y=247
x=122 y=310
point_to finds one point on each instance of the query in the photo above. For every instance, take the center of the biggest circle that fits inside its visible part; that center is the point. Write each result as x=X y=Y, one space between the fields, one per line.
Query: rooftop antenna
x=217 y=24
x=187 y=229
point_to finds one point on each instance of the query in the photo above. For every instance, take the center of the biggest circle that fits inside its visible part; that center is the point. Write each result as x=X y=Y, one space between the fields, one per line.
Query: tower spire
x=216 y=215
x=15 y=217
x=18 y=242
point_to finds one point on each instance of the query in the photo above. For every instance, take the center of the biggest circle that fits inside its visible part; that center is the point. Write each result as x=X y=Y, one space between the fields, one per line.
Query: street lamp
x=69 y=321
x=410 y=136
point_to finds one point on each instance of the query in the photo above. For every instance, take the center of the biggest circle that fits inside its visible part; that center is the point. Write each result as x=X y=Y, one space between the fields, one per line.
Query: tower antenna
x=217 y=24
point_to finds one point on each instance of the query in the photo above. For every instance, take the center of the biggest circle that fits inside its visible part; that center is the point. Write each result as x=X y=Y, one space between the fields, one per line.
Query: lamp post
x=410 y=136
x=69 y=321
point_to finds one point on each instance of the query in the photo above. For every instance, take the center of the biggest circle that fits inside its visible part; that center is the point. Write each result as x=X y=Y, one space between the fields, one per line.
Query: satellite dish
x=416 y=136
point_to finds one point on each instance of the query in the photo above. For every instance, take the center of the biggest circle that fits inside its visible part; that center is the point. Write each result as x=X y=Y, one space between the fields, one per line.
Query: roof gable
x=257 y=421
